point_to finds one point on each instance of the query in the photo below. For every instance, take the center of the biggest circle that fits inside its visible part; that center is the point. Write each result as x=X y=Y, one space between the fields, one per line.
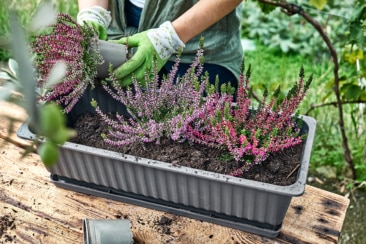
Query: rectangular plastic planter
x=222 y=199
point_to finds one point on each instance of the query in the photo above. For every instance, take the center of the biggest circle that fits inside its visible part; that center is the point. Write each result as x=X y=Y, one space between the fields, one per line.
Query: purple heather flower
x=159 y=108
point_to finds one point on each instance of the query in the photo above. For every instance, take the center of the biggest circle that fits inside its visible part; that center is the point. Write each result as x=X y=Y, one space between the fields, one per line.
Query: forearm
x=83 y=4
x=201 y=16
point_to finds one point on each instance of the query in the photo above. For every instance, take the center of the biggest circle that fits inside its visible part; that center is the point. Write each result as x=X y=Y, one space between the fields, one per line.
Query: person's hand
x=96 y=17
x=159 y=44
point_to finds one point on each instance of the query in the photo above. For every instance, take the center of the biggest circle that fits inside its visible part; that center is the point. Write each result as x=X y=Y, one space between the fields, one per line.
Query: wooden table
x=36 y=211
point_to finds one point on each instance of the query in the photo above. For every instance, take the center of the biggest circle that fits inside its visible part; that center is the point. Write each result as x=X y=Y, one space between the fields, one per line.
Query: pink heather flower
x=251 y=135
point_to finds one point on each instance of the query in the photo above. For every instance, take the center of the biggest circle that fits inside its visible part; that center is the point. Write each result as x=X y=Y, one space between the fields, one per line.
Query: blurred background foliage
x=25 y=10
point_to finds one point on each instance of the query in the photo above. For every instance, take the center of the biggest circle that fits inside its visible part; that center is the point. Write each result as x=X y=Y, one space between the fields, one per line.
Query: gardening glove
x=159 y=44
x=96 y=17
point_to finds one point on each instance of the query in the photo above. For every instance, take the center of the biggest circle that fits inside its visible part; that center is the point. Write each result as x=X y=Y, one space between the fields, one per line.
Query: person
x=160 y=28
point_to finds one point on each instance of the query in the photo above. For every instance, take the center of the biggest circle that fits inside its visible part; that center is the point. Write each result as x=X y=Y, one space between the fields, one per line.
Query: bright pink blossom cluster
x=251 y=135
x=66 y=41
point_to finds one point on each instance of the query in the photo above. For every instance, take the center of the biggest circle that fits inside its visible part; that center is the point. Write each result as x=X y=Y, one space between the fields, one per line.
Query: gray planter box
x=222 y=199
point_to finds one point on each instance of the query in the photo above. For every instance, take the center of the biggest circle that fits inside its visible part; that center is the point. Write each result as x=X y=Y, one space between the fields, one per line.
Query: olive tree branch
x=335 y=104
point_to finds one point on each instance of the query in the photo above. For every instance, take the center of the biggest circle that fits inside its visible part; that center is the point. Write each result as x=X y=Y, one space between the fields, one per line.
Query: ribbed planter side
x=181 y=185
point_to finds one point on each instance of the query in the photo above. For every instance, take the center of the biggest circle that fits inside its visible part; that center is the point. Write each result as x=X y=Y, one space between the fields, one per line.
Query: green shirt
x=222 y=43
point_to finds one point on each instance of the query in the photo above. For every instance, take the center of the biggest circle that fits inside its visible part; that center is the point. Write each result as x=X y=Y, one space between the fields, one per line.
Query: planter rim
x=295 y=189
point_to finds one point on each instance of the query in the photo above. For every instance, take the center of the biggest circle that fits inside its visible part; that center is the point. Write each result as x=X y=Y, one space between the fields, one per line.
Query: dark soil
x=163 y=225
x=6 y=223
x=279 y=169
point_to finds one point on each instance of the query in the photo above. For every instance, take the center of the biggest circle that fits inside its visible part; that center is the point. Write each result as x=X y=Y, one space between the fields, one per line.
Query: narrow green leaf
x=45 y=16
x=26 y=75
x=13 y=66
x=352 y=92
x=353 y=55
x=57 y=73
x=266 y=8
x=4 y=75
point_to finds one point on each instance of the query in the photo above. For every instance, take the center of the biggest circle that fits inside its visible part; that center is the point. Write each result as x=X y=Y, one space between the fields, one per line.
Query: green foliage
x=10 y=74
x=67 y=6
x=355 y=23
x=319 y=4
x=266 y=8
x=274 y=69
x=352 y=89
x=225 y=88
x=359 y=155
x=352 y=63
x=52 y=126
x=48 y=152
x=352 y=59
x=328 y=151
x=25 y=10
x=291 y=34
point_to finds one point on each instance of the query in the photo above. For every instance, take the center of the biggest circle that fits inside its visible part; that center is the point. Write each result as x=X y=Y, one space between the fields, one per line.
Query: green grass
x=25 y=9
x=271 y=69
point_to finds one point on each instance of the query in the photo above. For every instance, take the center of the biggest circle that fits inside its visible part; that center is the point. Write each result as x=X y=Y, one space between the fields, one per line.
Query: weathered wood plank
x=43 y=213
x=320 y=217
x=11 y=116
x=30 y=228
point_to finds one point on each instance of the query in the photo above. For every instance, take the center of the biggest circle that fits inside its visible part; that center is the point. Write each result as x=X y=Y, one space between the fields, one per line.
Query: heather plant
x=66 y=41
x=159 y=109
x=175 y=108
x=251 y=135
